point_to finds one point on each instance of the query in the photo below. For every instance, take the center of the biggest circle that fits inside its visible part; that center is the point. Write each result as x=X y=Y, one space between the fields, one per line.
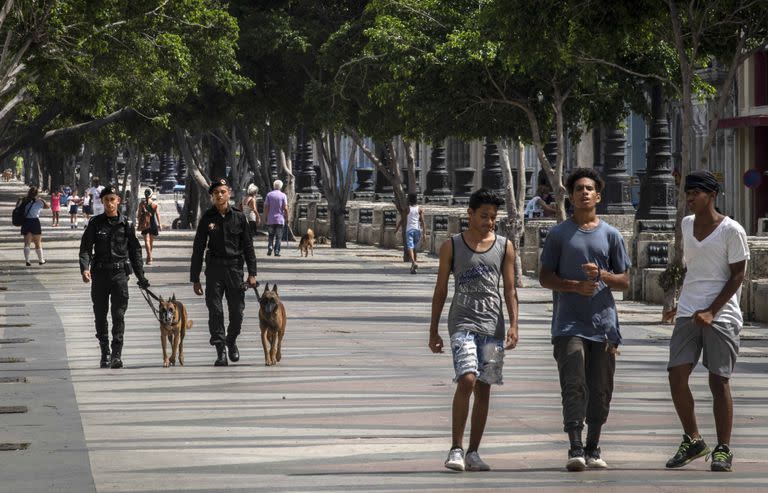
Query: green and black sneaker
x=721 y=458
x=689 y=450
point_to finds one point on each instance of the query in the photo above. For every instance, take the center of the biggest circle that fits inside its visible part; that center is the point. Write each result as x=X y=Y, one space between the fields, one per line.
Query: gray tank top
x=477 y=302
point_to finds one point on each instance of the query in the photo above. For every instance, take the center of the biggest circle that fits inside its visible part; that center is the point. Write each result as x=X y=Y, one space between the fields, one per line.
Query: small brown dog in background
x=173 y=327
x=272 y=323
x=7 y=174
x=307 y=243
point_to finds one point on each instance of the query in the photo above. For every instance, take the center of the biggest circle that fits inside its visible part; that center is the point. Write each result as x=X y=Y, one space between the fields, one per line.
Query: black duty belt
x=212 y=260
x=109 y=265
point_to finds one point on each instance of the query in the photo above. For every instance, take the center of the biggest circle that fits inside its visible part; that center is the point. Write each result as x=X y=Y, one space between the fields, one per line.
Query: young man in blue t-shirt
x=583 y=259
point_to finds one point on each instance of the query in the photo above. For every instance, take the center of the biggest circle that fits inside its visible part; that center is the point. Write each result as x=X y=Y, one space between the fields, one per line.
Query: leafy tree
x=90 y=63
x=674 y=43
x=285 y=42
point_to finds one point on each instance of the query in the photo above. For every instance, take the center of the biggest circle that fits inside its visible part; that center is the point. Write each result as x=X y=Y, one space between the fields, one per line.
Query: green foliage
x=92 y=58
x=672 y=278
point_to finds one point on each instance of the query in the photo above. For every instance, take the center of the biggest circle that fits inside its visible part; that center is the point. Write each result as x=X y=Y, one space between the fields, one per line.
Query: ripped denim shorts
x=480 y=354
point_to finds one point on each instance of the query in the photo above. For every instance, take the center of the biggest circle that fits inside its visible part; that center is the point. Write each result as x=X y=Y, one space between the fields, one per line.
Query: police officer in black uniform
x=108 y=250
x=224 y=230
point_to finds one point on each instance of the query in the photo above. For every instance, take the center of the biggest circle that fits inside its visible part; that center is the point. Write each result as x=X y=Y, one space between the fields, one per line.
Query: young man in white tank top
x=414 y=229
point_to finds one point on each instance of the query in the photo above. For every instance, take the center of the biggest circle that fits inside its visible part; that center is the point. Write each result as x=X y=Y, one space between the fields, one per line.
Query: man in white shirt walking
x=95 y=193
x=715 y=251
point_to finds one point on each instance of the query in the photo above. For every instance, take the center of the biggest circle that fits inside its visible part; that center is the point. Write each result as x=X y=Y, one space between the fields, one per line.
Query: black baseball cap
x=219 y=182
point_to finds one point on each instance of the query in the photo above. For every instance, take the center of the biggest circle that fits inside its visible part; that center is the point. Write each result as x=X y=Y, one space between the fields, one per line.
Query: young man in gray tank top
x=583 y=260
x=479 y=260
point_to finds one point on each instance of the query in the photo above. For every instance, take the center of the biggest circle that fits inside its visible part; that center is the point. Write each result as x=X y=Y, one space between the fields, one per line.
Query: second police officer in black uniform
x=224 y=230
x=108 y=251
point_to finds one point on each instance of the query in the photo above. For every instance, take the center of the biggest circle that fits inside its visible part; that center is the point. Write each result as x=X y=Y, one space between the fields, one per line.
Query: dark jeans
x=223 y=281
x=275 y=236
x=109 y=285
x=586 y=381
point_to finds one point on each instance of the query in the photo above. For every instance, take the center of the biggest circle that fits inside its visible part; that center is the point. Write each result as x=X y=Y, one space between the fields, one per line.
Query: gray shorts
x=719 y=341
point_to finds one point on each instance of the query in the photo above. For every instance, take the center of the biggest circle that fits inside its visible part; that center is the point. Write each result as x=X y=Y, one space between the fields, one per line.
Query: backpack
x=19 y=213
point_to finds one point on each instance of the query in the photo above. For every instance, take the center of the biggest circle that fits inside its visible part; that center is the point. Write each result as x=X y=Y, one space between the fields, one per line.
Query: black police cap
x=220 y=182
x=109 y=190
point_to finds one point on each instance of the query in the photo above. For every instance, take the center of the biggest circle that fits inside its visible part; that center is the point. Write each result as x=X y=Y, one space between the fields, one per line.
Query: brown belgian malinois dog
x=173 y=326
x=272 y=323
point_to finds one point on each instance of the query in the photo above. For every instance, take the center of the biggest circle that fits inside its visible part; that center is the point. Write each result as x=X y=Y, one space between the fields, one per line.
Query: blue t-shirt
x=566 y=248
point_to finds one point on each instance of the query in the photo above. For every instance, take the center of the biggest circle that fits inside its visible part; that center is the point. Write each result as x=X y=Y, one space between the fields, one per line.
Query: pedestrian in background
x=478 y=259
x=538 y=206
x=583 y=260
x=55 y=207
x=73 y=202
x=414 y=229
x=94 y=192
x=87 y=205
x=250 y=209
x=109 y=252
x=30 y=228
x=276 y=212
x=223 y=240
x=148 y=220
x=709 y=318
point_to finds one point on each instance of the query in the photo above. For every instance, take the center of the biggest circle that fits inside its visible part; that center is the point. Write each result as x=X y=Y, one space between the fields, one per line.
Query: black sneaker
x=592 y=456
x=721 y=458
x=689 y=450
x=576 y=460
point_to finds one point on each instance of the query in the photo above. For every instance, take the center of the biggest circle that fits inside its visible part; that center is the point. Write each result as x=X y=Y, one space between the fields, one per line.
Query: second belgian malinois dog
x=272 y=323
x=173 y=326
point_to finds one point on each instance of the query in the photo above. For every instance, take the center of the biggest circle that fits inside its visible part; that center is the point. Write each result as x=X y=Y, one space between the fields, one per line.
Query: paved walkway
x=357 y=404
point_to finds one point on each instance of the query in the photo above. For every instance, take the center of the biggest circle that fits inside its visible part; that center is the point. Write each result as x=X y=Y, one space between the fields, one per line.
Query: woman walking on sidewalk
x=31 y=229
x=149 y=222
x=73 y=202
x=250 y=210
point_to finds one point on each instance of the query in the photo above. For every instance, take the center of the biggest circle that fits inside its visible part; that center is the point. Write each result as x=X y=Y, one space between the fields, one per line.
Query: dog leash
x=146 y=293
x=245 y=287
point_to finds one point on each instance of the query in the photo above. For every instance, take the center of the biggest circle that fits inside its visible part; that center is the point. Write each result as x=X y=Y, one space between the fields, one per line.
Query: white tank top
x=413 y=218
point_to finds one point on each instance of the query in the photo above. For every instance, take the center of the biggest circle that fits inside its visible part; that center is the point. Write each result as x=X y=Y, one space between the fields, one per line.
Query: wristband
x=598 y=278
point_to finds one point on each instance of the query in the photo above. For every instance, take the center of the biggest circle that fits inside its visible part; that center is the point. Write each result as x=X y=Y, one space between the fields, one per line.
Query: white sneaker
x=455 y=459
x=593 y=459
x=576 y=461
x=473 y=462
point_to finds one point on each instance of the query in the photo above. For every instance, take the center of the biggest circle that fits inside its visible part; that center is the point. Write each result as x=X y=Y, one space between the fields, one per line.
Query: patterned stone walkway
x=357 y=404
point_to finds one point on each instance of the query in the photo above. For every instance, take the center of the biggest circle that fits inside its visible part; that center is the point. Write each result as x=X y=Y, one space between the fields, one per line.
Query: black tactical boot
x=115 y=362
x=234 y=354
x=221 y=356
x=104 y=363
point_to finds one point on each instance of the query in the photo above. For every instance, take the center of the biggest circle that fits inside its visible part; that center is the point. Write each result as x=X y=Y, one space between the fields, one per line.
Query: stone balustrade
x=373 y=223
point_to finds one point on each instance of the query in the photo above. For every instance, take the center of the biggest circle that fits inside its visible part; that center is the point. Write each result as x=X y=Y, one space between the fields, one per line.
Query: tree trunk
x=338 y=226
x=251 y=153
x=85 y=169
x=217 y=155
x=514 y=199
